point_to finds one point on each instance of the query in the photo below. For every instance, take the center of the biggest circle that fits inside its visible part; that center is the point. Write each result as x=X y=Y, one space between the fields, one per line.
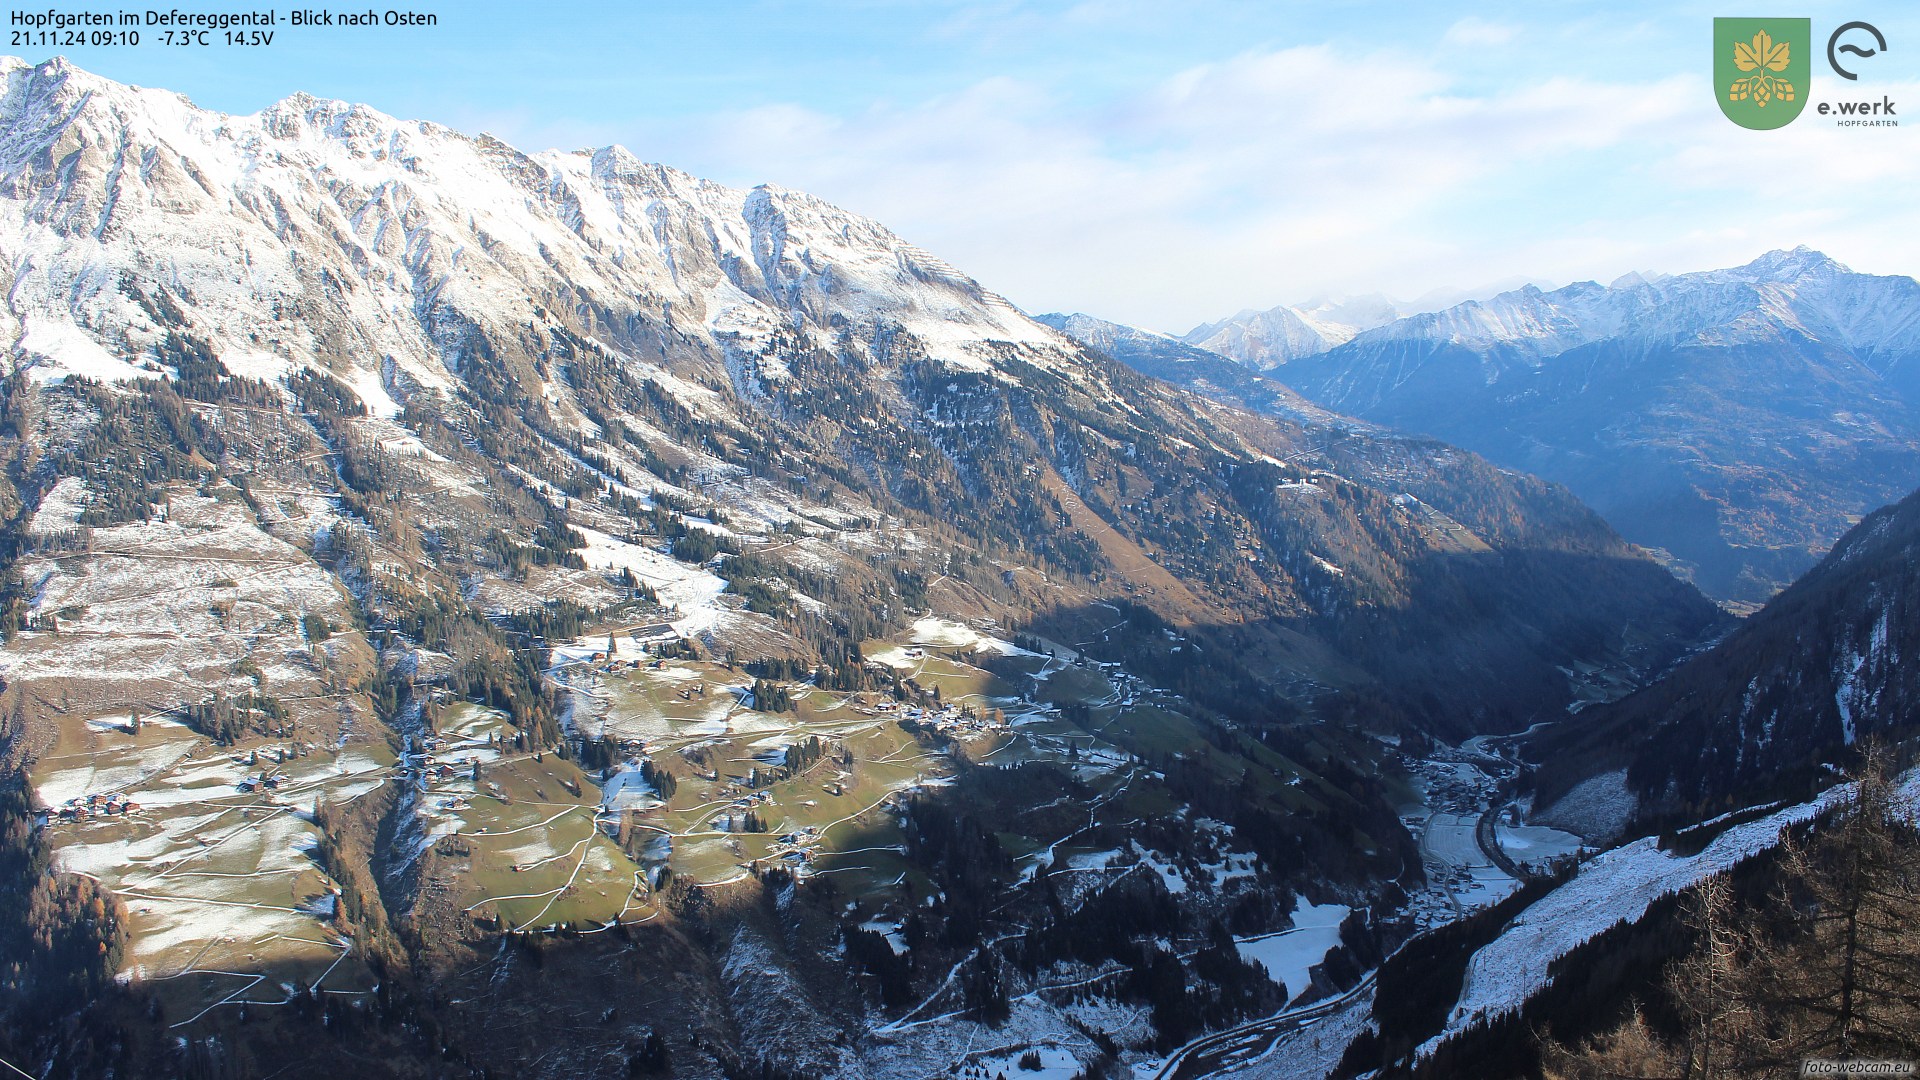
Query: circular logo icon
x=1833 y=53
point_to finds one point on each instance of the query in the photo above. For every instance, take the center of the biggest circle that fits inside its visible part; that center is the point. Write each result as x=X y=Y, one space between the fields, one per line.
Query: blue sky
x=1164 y=163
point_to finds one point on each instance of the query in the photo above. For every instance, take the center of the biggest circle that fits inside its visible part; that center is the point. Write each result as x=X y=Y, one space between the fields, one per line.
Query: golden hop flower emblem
x=1760 y=56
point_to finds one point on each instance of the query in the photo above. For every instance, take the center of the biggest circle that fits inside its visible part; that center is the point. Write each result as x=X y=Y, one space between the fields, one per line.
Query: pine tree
x=1847 y=982
x=1828 y=967
x=1707 y=986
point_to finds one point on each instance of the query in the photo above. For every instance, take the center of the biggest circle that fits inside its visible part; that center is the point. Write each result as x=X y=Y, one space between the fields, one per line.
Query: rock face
x=1738 y=420
x=318 y=232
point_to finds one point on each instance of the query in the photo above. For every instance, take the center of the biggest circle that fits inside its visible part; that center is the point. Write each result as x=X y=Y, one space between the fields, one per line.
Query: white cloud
x=1472 y=32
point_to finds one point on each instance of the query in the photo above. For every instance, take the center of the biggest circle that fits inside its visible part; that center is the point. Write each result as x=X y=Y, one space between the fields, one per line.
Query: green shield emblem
x=1761 y=69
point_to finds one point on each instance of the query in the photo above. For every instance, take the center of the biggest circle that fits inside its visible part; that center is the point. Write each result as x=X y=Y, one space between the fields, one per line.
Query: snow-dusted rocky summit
x=327 y=233
x=1265 y=340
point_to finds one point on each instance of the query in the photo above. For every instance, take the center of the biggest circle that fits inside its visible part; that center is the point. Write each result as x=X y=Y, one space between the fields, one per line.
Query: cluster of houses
x=948 y=719
x=436 y=771
x=87 y=807
x=270 y=780
x=747 y=800
x=1445 y=787
x=799 y=846
x=430 y=768
x=606 y=665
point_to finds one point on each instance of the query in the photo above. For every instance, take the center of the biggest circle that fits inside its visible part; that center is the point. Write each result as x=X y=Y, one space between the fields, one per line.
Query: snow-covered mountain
x=415 y=241
x=1201 y=370
x=1265 y=340
x=1739 y=419
x=1269 y=339
x=1798 y=292
x=349 y=466
x=759 y=332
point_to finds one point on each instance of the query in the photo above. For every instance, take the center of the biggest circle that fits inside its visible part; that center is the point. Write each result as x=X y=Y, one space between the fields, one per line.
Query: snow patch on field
x=889 y=929
x=694 y=592
x=893 y=656
x=254 y=364
x=1055 y=1064
x=627 y=790
x=947 y=634
x=1093 y=860
x=68 y=350
x=1168 y=873
x=1535 y=843
x=1289 y=955
x=60 y=508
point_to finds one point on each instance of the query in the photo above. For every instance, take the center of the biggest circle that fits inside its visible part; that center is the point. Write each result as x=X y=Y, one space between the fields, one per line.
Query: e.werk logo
x=1762 y=72
x=1833 y=55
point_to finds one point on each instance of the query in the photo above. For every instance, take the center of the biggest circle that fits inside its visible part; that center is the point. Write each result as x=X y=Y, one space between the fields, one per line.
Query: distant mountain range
x=1264 y=340
x=1198 y=369
x=1736 y=421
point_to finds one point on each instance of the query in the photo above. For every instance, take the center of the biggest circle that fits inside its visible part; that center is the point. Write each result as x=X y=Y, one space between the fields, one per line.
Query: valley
x=472 y=613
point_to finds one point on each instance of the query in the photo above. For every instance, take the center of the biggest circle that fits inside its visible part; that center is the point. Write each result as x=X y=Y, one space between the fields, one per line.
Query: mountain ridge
x=420 y=265
x=1647 y=399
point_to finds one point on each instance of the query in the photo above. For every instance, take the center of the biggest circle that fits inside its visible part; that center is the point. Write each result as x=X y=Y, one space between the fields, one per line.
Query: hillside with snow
x=1271 y=339
x=413 y=242
x=590 y=321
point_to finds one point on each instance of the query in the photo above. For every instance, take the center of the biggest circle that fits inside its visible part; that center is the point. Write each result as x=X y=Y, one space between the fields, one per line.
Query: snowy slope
x=1782 y=292
x=684 y=333
x=1264 y=340
x=1617 y=886
x=407 y=240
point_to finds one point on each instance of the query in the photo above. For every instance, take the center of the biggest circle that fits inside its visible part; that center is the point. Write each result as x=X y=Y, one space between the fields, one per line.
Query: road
x=1205 y=1055
x=1210 y=1053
